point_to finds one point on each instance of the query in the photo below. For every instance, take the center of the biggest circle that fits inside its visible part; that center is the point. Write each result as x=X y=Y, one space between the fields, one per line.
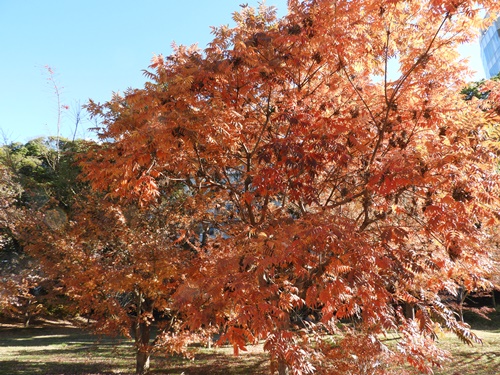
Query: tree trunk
x=27 y=318
x=143 y=351
x=409 y=311
x=27 y=314
x=142 y=362
x=282 y=367
x=142 y=332
x=461 y=296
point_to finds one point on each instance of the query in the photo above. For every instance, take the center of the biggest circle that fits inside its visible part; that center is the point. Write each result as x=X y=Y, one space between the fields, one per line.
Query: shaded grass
x=477 y=322
x=62 y=350
x=214 y=362
x=477 y=359
x=480 y=359
x=66 y=350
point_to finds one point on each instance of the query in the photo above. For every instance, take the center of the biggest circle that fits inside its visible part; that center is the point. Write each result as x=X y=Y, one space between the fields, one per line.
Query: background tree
x=11 y=291
x=326 y=186
x=39 y=181
x=475 y=89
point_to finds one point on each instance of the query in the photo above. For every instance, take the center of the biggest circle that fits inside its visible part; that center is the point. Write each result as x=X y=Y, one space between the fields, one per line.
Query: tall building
x=490 y=49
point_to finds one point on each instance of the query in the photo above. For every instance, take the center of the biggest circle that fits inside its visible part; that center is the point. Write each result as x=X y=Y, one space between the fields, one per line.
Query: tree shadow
x=53 y=368
x=481 y=357
x=28 y=337
x=213 y=364
x=58 y=350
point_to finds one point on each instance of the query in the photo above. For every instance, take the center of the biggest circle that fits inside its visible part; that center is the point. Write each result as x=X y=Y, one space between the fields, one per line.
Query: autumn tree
x=479 y=93
x=11 y=291
x=38 y=181
x=335 y=175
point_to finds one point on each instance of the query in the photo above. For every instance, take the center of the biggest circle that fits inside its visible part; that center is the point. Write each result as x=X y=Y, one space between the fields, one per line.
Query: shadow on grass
x=485 y=363
x=53 y=368
x=483 y=356
x=39 y=336
x=28 y=337
x=74 y=350
x=61 y=350
x=212 y=364
x=65 y=351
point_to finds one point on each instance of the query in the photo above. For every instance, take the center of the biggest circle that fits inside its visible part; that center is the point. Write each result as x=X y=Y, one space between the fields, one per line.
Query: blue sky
x=95 y=47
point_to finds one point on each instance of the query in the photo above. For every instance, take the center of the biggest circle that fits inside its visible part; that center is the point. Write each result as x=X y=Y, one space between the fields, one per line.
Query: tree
x=11 y=291
x=475 y=89
x=328 y=190
x=38 y=182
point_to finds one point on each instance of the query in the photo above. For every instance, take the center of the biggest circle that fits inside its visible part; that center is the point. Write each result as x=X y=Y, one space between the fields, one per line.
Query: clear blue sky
x=96 y=47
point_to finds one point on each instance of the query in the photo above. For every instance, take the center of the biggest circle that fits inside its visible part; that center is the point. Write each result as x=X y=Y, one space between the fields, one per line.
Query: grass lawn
x=64 y=350
x=474 y=360
x=61 y=350
x=56 y=350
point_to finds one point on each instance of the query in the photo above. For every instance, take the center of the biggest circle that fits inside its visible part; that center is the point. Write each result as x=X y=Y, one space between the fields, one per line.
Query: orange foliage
x=333 y=173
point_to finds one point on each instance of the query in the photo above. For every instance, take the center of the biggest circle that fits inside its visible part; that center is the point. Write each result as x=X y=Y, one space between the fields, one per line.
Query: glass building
x=490 y=49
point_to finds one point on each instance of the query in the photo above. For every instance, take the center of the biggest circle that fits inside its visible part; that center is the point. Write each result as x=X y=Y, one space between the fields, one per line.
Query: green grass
x=220 y=361
x=65 y=351
x=60 y=350
x=478 y=359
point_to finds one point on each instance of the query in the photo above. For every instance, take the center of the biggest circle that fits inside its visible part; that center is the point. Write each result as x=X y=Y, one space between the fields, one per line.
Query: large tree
x=335 y=175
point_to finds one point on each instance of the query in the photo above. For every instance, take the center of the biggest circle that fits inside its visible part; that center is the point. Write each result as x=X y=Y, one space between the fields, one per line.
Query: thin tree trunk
x=462 y=295
x=27 y=314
